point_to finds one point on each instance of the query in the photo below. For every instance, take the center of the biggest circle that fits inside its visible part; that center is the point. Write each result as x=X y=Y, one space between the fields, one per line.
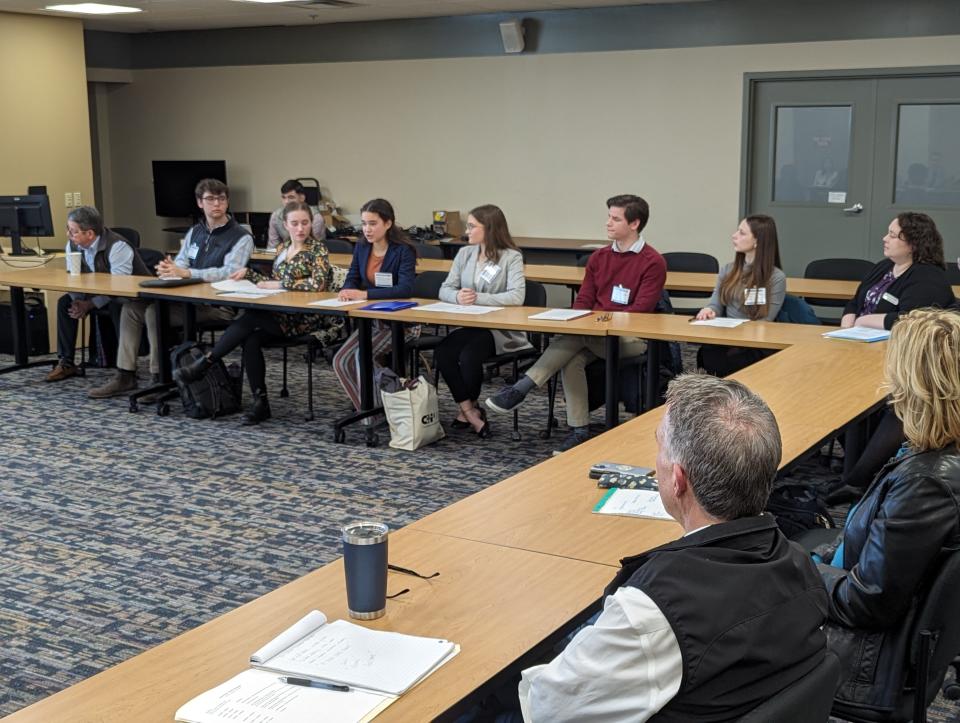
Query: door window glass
x=812 y=154
x=928 y=155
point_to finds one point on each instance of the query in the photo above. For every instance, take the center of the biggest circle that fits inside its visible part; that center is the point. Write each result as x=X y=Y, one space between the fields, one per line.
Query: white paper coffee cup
x=73 y=262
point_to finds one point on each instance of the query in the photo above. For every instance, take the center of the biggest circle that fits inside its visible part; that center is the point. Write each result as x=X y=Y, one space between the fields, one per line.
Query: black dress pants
x=252 y=330
x=460 y=358
x=884 y=443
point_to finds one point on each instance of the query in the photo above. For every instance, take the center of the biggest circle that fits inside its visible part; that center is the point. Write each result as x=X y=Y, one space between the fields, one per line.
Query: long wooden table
x=501 y=552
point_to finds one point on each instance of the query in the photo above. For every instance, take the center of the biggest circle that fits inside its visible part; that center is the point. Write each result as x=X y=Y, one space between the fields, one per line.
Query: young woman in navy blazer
x=383 y=267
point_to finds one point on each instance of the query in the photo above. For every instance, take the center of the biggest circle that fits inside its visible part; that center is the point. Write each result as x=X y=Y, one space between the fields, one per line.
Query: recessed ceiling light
x=93 y=9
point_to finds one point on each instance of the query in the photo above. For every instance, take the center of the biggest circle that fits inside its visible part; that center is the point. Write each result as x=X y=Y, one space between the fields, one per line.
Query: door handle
x=855 y=208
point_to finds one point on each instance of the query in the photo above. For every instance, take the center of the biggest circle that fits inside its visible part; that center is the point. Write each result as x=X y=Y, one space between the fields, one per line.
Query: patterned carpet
x=120 y=531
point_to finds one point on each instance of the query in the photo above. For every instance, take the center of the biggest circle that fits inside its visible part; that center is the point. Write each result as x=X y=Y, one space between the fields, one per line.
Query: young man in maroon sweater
x=628 y=275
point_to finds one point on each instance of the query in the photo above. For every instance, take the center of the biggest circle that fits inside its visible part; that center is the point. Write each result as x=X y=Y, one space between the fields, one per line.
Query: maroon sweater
x=644 y=274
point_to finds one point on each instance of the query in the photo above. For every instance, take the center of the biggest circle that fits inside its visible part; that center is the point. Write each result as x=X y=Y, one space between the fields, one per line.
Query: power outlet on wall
x=68 y=199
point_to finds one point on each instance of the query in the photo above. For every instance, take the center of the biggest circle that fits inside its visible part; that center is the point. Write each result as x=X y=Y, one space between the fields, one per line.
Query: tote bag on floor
x=413 y=414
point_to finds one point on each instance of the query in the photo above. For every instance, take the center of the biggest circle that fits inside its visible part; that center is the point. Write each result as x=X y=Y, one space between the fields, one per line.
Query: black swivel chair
x=427 y=251
x=425 y=286
x=953 y=273
x=535 y=295
x=839 y=270
x=690 y=262
x=934 y=643
x=130 y=234
x=806 y=700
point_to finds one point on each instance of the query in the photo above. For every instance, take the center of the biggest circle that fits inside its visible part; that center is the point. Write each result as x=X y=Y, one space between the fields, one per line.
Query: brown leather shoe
x=63 y=370
x=123 y=383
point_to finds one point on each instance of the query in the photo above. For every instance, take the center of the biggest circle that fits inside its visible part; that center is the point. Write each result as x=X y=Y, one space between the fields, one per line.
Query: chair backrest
x=692 y=262
x=151 y=257
x=130 y=234
x=839 y=269
x=338 y=246
x=536 y=294
x=427 y=284
x=938 y=615
x=582 y=261
x=953 y=273
x=427 y=251
x=807 y=700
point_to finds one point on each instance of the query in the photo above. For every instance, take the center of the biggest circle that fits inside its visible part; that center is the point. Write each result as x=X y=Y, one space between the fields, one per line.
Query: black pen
x=308 y=683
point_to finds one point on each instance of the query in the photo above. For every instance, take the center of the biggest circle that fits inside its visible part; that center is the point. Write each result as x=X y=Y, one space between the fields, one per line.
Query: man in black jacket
x=709 y=626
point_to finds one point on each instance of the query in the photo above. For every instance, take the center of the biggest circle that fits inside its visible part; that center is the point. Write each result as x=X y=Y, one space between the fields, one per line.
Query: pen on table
x=308 y=683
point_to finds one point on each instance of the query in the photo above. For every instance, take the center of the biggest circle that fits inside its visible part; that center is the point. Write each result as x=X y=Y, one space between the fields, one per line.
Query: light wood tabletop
x=57 y=279
x=487 y=599
x=673 y=327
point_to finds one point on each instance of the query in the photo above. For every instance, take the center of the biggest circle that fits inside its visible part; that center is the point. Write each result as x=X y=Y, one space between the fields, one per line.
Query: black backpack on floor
x=797 y=508
x=216 y=394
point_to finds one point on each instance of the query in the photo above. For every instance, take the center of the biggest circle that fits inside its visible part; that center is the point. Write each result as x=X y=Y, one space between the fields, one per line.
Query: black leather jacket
x=892 y=542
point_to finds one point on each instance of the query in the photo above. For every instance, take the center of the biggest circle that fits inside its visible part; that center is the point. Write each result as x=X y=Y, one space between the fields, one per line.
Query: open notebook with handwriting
x=377 y=665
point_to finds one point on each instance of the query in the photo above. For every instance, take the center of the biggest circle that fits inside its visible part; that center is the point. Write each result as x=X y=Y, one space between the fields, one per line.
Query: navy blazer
x=400 y=261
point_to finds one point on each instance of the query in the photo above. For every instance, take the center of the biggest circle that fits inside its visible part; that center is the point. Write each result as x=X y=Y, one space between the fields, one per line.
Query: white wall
x=547 y=137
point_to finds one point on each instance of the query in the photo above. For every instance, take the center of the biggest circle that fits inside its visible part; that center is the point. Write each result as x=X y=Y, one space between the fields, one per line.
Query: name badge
x=755 y=297
x=887 y=296
x=620 y=295
x=489 y=272
x=192 y=251
x=383 y=279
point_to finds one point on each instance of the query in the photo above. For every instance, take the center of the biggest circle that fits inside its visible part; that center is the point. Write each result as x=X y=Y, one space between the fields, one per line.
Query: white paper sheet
x=720 y=321
x=247 y=294
x=446 y=308
x=336 y=303
x=632 y=503
x=242 y=287
x=256 y=696
x=560 y=314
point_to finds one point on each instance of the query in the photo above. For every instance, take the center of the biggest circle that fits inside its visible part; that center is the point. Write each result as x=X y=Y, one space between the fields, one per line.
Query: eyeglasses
x=472 y=226
x=214 y=199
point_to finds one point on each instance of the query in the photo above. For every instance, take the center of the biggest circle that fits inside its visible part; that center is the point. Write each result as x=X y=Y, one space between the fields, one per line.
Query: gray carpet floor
x=120 y=531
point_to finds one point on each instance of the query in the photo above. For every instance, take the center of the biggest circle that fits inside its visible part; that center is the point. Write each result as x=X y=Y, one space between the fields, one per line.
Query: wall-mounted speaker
x=511 y=32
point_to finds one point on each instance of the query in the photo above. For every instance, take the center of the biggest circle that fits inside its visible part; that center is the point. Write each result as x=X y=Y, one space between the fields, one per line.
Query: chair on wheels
x=535 y=295
x=806 y=700
x=425 y=286
x=131 y=235
x=933 y=645
x=690 y=262
x=839 y=270
x=312 y=344
x=427 y=251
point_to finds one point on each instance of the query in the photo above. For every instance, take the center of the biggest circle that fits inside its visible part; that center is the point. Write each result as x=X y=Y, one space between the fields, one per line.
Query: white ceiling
x=205 y=14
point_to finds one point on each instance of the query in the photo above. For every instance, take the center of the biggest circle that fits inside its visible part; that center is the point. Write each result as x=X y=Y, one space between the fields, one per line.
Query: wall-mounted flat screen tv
x=174 y=181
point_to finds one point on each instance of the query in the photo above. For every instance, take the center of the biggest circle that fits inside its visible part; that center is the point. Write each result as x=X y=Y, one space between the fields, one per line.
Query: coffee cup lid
x=364 y=532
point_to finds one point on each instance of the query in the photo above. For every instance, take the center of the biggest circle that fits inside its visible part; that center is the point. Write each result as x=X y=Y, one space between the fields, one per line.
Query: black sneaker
x=506 y=400
x=571 y=441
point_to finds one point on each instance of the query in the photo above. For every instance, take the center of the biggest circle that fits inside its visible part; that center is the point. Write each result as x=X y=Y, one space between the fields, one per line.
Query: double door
x=835 y=159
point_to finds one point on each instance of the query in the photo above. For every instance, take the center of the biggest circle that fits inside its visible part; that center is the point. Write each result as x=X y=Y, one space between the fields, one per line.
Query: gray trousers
x=570 y=354
x=136 y=313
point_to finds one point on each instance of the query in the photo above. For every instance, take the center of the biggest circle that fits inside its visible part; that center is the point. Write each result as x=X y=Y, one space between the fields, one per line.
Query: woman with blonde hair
x=896 y=537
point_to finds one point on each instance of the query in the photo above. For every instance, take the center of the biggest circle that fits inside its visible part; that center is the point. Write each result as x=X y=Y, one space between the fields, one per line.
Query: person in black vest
x=212 y=250
x=709 y=626
x=102 y=251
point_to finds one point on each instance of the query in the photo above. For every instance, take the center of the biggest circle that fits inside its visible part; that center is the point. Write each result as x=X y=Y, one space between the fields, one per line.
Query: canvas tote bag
x=413 y=414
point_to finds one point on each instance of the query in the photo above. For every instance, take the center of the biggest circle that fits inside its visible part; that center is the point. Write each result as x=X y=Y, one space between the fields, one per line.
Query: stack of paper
x=721 y=321
x=446 y=308
x=560 y=314
x=242 y=289
x=335 y=302
x=632 y=503
x=858 y=333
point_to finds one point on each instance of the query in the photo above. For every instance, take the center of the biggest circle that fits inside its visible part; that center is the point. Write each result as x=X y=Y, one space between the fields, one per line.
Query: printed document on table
x=721 y=321
x=632 y=503
x=446 y=308
x=256 y=695
x=560 y=314
x=335 y=302
x=243 y=287
x=858 y=333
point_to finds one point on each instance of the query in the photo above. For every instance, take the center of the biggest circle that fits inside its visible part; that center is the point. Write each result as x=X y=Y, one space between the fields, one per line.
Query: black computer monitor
x=174 y=181
x=27 y=215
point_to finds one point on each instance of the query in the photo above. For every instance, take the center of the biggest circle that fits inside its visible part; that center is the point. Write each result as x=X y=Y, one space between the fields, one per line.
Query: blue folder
x=388 y=305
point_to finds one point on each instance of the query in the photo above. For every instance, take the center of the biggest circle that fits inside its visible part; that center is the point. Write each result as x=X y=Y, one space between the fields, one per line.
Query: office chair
x=934 y=644
x=427 y=251
x=837 y=269
x=806 y=700
x=690 y=262
x=131 y=235
x=338 y=246
x=426 y=286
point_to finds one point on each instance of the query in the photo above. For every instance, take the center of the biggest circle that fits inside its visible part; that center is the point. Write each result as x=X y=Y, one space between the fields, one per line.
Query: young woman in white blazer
x=487 y=272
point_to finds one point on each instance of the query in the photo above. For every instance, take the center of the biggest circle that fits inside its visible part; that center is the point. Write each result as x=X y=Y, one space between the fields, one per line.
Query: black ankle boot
x=259 y=410
x=193 y=371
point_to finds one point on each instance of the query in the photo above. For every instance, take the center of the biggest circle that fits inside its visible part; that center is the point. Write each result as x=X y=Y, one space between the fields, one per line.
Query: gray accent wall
x=638 y=27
